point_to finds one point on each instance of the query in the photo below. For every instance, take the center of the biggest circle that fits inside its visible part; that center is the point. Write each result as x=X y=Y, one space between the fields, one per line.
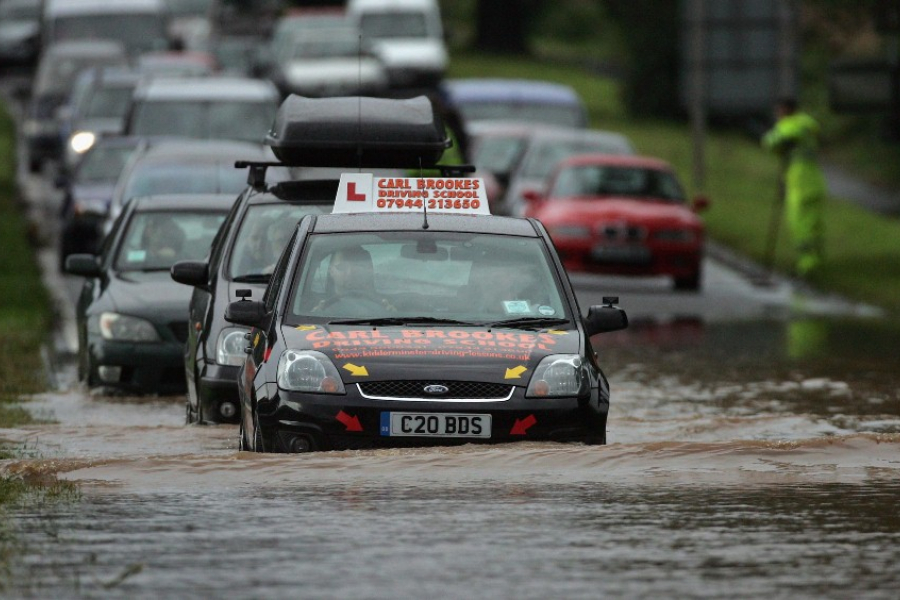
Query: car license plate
x=404 y=424
x=632 y=255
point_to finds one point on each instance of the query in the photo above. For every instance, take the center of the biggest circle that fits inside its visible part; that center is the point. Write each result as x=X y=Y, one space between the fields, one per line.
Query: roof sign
x=366 y=193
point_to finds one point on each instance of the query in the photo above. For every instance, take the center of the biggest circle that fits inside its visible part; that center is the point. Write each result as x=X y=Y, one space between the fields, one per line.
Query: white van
x=139 y=25
x=408 y=37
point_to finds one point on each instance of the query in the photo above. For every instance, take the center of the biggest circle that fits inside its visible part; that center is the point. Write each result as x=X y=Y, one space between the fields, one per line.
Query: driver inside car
x=351 y=284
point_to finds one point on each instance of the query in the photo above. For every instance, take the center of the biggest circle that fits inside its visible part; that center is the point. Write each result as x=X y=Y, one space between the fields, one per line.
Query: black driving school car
x=410 y=316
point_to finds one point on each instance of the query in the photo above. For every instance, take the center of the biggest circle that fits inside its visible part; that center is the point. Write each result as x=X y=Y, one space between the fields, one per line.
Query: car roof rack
x=256 y=176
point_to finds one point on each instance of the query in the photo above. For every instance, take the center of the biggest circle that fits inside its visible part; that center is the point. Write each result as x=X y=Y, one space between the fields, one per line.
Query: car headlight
x=123 y=328
x=308 y=371
x=570 y=231
x=230 y=346
x=82 y=141
x=559 y=375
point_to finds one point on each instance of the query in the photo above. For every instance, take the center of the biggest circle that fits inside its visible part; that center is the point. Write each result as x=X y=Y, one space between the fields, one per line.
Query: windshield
x=154 y=241
x=397 y=24
x=337 y=44
x=245 y=121
x=473 y=278
x=499 y=154
x=60 y=73
x=20 y=11
x=600 y=180
x=109 y=102
x=550 y=114
x=137 y=32
x=103 y=164
x=546 y=154
x=186 y=178
x=263 y=234
x=194 y=8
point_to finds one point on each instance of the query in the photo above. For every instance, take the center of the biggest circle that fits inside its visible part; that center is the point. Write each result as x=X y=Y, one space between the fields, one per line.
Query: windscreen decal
x=356 y=344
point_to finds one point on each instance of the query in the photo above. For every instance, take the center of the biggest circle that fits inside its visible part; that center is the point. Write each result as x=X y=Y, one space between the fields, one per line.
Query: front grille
x=456 y=390
x=180 y=330
x=622 y=232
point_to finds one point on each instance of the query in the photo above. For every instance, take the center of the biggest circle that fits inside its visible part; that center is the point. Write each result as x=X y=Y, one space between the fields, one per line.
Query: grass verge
x=862 y=253
x=25 y=317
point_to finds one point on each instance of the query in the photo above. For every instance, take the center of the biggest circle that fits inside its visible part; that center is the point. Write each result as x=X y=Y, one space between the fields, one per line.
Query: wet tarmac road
x=771 y=473
x=754 y=452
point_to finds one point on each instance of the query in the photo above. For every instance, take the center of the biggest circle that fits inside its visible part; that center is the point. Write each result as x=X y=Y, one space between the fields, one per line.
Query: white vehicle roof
x=389 y=5
x=56 y=8
x=213 y=88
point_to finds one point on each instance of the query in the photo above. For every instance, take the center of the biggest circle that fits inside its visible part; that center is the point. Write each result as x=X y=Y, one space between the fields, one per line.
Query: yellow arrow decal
x=516 y=372
x=557 y=332
x=305 y=327
x=256 y=340
x=356 y=371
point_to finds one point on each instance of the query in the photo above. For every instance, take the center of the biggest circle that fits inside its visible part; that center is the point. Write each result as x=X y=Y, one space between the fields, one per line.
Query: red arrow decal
x=352 y=196
x=351 y=423
x=521 y=427
x=267 y=354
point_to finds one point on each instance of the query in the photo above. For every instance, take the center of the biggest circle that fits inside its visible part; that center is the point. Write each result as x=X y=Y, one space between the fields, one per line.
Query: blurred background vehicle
x=96 y=107
x=522 y=100
x=408 y=36
x=20 y=32
x=223 y=108
x=131 y=315
x=625 y=215
x=87 y=193
x=139 y=25
x=328 y=61
x=185 y=166
x=59 y=67
x=291 y=22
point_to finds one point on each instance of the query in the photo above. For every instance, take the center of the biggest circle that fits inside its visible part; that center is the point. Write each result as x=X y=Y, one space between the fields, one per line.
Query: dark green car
x=132 y=318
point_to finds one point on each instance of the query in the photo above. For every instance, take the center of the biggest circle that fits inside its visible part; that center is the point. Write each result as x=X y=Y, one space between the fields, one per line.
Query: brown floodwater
x=745 y=459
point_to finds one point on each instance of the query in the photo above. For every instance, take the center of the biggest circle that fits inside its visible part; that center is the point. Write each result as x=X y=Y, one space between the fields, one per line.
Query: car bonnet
x=457 y=353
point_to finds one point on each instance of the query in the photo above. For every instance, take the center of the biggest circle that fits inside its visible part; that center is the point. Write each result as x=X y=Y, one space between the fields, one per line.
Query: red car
x=624 y=215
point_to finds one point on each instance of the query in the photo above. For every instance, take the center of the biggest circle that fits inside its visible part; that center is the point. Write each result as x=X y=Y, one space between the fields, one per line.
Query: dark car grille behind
x=416 y=389
x=180 y=330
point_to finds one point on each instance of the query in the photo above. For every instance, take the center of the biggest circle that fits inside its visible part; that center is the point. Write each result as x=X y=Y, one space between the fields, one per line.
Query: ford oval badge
x=436 y=390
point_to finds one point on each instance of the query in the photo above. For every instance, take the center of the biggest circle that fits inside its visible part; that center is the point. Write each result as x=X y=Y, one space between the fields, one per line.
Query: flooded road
x=754 y=451
x=745 y=459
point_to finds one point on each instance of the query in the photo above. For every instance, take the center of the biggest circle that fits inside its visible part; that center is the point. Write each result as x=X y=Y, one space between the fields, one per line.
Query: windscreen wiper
x=527 y=322
x=254 y=278
x=400 y=321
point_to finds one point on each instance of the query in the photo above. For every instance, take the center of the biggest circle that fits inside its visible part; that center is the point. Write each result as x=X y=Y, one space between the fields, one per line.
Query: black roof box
x=353 y=131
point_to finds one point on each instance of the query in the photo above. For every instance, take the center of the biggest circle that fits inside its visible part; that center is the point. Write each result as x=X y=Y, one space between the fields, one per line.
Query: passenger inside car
x=351 y=281
x=163 y=240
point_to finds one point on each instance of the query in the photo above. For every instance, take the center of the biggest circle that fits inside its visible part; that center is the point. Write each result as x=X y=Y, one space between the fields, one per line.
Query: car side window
x=278 y=275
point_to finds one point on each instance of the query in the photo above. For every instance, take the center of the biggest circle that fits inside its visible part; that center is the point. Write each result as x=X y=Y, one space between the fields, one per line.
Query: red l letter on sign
x=352 y=196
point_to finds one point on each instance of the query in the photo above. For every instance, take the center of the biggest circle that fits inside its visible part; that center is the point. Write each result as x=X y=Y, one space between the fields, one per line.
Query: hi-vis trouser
x=804 y=203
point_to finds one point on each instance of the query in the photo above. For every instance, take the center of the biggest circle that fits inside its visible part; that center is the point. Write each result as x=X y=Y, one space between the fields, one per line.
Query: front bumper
x=677 y=261
x=352 y=422
x=138 y=368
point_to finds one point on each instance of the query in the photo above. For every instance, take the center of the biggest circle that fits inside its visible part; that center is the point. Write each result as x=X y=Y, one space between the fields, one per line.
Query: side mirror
x=83 y=265
x=700 y=203
x=605 y=318
x=251 y=313
x=191 y=272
